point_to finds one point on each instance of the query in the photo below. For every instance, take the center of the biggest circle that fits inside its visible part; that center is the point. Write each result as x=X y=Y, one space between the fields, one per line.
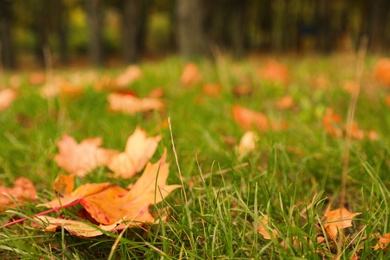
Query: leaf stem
x=42 y=213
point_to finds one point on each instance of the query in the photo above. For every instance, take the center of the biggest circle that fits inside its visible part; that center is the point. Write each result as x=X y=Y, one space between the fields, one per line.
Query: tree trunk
x=7 y=51
x=238 y=31
x=130 y=29
x=377 y=24
x=190 y=29
x=62 y=33
x=95 y=14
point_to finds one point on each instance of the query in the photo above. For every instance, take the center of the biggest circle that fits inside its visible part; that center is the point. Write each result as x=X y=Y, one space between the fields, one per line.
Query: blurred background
x=109 y=32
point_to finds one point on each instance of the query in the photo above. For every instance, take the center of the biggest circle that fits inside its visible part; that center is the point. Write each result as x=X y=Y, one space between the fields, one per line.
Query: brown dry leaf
x=22 y=191
x=331 y=121
x=109 y=204
x=212 y=89
x=129 y=104
x=82 y=158
x=74 y=227
x=247 y=143
x=320 y=81
x=131 y=74
x=247 y=118
x=64 y=184
x=382 y=71
x=7 y=96
x=264 y=229
x=139 y=149
x=285 y=102
x=336 y=220
x=243 y=90
x=190 y=75
x=59 y=86
x=383 y=242
x=273 y=71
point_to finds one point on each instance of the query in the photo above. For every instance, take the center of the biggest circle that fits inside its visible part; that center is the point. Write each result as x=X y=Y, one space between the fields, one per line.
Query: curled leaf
x=129 y=104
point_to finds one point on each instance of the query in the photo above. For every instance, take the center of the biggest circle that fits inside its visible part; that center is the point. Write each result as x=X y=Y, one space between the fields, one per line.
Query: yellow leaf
x=74 y=227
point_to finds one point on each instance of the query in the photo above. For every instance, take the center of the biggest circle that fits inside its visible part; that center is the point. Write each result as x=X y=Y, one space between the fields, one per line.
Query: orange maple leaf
x=139 y=149
x=131 y=74
x=273 y=71
x=336 y=220
x=383 y=242
x=247 y=118
x=22 y=191
x=284 y=102
x=382 y=71
x=108 y=203
x=129 y=104
x=264 y=229
x=7 y=96
x=190 y=75
x=82 y=158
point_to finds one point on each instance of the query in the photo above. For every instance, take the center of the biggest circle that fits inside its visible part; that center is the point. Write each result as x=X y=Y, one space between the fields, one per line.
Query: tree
x=190 y=27
x=95 y=18
x=6 y=40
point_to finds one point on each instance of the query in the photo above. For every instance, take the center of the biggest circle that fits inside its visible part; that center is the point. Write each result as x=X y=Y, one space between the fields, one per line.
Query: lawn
x=267 y=203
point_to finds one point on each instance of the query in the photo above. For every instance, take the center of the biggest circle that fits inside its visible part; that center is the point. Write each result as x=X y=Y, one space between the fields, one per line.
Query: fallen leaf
x=383 y=242
x=351 y=87
x=139 y=149
x=273 y=71
x=320 y=81
x=331 y=121
x=37 y=78
x=22 y=191
x=190 y=75
x=285 y=102
x=129 y=104
x=243 y=90
x=82 y=158
x=247 y=143
x=387 y=100
x=212 y=89
x=156 y=93
x=131 y=74
x=74 y=227
x=382 y=71
x=247 y=118
x=264 y=229
x=7 y=96
x=336 y=220
x=64 y=184
x=109 y=204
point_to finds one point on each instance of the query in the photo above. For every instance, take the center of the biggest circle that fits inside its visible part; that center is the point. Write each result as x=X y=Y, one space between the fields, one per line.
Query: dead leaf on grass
x=285 y=102
x=7 y=96
x=22 y=191
x=247 y=118
x=190 y=75
x=382 y=71
x=276 y=72
x=264 y=228
x=82 y=158
x=110 y=204
x=139 y=149
x=336 y=220
x=129 y=104
x=383 y=242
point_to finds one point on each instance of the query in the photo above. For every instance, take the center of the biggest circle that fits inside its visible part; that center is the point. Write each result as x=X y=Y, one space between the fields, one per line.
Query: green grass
x=216 y=213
